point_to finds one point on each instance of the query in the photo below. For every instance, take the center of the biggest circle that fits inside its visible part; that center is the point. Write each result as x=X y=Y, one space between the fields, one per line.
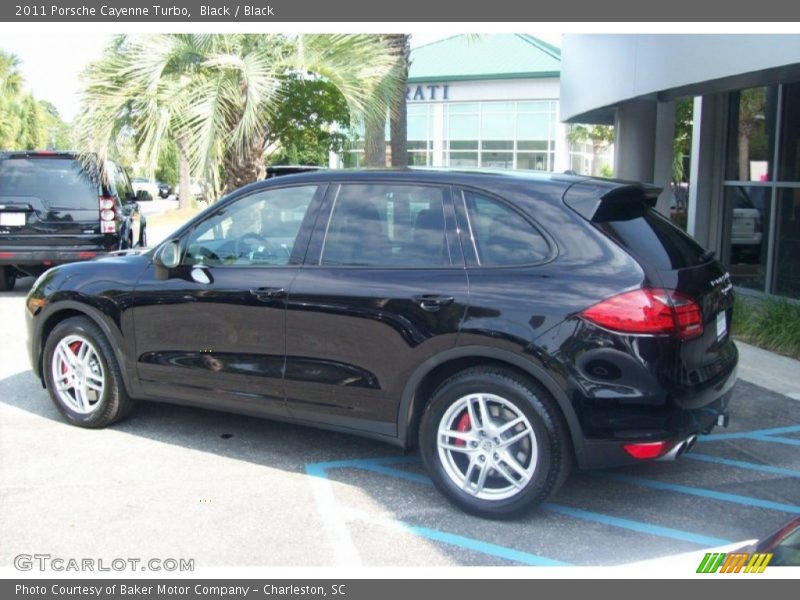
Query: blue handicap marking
x=758 y=434
x=701 y=492
x=382 y=467
x=742 y=464
x=377 y=465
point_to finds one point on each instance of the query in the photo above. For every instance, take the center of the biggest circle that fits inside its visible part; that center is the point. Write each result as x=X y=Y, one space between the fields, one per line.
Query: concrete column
x=634 y=146
x=705 y=219
x=437 y=159
x=561 y=158
x=662 y=162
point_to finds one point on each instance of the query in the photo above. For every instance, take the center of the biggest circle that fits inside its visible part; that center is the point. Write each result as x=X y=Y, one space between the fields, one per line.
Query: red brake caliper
x=464 y=424
x=74 y=347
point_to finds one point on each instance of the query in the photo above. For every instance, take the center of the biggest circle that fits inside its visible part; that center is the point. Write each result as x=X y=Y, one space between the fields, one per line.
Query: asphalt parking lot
x=229 y=490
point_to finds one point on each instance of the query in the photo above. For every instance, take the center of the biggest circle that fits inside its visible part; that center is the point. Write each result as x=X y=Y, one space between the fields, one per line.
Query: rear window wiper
x=707 y=255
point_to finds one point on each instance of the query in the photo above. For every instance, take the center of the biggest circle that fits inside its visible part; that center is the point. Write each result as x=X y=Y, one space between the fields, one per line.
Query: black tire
x=8 y=279
x=143 y=237
x=113 y=404
x=553 y=450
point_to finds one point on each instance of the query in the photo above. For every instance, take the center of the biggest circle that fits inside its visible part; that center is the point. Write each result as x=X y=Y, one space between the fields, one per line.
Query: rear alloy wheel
x=487 y=446
x=8 y=278
x=494 y=443
x=82 y=374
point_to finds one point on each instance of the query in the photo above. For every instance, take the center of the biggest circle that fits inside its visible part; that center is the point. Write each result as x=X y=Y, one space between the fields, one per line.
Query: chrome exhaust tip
x=678 y=449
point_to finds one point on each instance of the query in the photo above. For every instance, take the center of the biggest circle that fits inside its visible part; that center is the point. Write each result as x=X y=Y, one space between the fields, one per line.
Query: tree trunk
x=744 y=156
x=398 y=120
x=375 y=142
x=245 y=169
x=185 y=183
x=595 y=160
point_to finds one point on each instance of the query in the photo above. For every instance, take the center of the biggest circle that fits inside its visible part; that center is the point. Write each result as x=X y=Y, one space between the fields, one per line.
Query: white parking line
x=344 y=550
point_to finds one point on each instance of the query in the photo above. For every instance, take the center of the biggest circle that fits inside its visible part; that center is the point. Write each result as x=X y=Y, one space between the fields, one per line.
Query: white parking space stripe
x=344 y=550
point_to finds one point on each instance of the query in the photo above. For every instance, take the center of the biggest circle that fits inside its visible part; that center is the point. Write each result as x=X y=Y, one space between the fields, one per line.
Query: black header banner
x=464 y=11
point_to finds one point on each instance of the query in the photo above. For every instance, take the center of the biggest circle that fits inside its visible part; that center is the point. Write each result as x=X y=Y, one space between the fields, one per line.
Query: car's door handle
x=267 y=294
x=433 y=302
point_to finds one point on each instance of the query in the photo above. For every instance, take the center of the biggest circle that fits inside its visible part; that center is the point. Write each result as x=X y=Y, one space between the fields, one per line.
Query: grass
x=770 y=323
x=172 y=218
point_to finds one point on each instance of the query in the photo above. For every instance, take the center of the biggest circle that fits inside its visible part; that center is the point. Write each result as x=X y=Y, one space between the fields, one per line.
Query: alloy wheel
x=487 y=446
x=78 y=374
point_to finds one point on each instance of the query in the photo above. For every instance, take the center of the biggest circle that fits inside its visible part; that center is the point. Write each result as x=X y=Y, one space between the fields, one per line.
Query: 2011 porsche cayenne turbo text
x=117 y=12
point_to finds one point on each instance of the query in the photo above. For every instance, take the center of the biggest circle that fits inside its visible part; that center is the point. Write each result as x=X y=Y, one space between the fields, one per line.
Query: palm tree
x=10 y=87
x=214 y=95
x=26 y=123
x=399 y=45
x=600 y=136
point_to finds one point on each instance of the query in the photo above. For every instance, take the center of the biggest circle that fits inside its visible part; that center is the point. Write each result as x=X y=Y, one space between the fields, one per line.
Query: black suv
x=509 y=325
x=55 y=208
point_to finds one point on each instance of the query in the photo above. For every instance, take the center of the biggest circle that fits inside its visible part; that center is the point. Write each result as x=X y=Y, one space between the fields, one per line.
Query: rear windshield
x=653 y=238
x=57 y=182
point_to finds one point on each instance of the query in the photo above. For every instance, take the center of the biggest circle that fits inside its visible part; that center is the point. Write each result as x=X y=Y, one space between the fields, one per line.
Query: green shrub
x=771 y=323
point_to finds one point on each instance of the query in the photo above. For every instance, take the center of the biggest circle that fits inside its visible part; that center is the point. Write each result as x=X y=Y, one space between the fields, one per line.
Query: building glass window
x=790 y=134
x=787 y=244
x=419 y=154
x=761 y=239
x=751 y=141
x=498 y=135
x=501 y=135
x=748 y=210
x=420 y=135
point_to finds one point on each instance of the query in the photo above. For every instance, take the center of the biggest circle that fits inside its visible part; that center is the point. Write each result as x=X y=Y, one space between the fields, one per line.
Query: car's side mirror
x=168 y=256
x=143 y=196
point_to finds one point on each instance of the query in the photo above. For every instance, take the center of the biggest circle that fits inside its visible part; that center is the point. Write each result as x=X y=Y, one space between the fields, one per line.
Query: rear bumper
x=677 y=426
x=48 y=255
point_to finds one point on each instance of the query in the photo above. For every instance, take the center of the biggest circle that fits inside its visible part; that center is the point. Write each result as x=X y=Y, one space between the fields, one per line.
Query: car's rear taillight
x=107 y=214
x=649 y=311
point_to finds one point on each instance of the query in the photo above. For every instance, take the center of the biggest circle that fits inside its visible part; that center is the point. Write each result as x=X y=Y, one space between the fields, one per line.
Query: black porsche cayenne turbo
x=509 y=325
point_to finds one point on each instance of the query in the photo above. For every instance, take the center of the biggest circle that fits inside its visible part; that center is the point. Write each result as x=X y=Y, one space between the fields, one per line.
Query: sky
x=54 y=75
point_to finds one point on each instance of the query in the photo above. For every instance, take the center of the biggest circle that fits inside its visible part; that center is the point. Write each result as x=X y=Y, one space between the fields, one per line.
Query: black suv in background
x=509 y=325
x=56 y=208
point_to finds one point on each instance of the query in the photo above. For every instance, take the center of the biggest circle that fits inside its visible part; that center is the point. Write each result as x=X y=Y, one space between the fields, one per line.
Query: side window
x=387 y=225
x=118 y=182
x=260 y=229
x=126 y=189
x=500 y=235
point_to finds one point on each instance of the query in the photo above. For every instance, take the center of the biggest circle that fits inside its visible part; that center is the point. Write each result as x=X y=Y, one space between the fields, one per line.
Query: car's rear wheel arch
x=427 y=378
x=68 y=310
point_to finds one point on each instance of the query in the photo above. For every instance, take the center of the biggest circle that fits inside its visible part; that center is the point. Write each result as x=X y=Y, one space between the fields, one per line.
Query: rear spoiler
x=604 y=200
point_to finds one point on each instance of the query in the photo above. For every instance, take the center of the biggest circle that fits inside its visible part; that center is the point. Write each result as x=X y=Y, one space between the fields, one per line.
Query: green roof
x=499 y=56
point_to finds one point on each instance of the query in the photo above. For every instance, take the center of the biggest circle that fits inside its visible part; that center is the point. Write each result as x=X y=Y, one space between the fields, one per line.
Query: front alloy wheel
x=78 y=374
x=82 y=374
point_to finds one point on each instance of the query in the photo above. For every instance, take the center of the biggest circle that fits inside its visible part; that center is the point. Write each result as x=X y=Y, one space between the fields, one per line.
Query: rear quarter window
x=500 y=236
x=652 y=238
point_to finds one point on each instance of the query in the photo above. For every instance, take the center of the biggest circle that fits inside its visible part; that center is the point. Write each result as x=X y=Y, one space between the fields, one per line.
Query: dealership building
x=744 y=183
x=506 y=101
x=488 y=101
